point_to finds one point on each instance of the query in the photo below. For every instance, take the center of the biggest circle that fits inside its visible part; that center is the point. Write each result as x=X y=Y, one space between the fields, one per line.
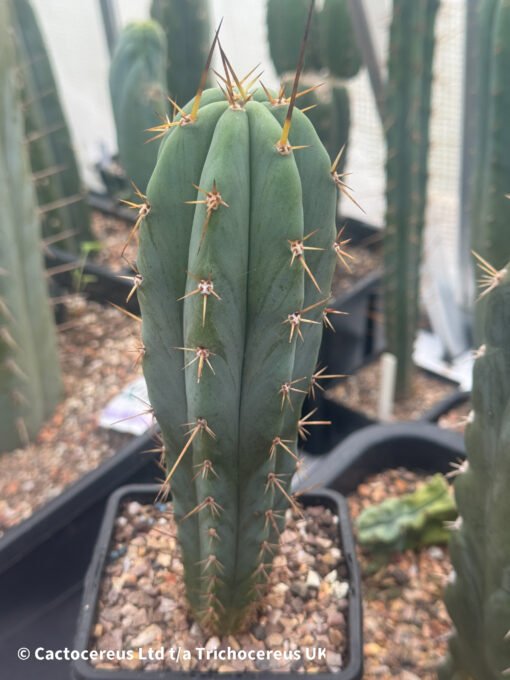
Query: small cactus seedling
x=411 y=521
x=236 y=256
x=478 y=596
x=407 y=113
x=187 y=29
x=61 y=194
x=29 y=375
x=138 y=94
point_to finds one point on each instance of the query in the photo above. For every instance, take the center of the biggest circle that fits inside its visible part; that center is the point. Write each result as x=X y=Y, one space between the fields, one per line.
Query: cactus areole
x=236 y=257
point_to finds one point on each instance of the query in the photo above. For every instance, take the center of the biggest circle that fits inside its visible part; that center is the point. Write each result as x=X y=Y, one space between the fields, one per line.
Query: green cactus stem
x=407 y=112
x=285 y=20
x=237 y=250
x=412 y=521
x=61 y=194
x=29 y=374
x=187 y=29
x=138 y=94
x=492 y=215
x=340 y=52
x=478 y=596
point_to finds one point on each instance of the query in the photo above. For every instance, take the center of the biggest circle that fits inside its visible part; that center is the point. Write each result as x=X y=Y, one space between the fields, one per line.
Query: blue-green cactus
x=29 y=373
x=138 y=94
x=407 y=115
x=61 y=194
x=478 y=596
x=237 y=250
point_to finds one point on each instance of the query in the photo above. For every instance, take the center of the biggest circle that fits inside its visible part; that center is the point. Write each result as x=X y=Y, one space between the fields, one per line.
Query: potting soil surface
x=143 y=604
x=406 y=625
x=360 y=392
x=97 y=351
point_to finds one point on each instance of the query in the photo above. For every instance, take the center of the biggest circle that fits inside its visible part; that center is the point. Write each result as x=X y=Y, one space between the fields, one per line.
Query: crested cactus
x=138 y=94
x=414 y=520
x=187 y=29
x=60 y=192
x=236 y=256
x=407 y=114
x=478 y=596
x=491 y=213
x=29 y=376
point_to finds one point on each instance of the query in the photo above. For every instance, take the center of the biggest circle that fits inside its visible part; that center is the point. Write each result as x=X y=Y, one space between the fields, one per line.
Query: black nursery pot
x=416 y=446
x=345 y=420
x=102 y=285
x=353 y=670
x=357 y=336
x=43 y=562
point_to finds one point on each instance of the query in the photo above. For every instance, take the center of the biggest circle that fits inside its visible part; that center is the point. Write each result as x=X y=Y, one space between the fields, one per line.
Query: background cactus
x=187 y=29
x=332 y=47
x=138 y=94
x=491 y=211
x=29 y=376
x=407 y=114
x=60 y=192
x=478 y=597
x=235 y=265
x=285 y=20
x=414 y=520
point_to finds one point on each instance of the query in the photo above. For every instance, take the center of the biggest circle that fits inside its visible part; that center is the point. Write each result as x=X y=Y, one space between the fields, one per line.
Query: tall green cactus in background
x=29 y=376
x=478 y=597
x=407 y=114
x=491 y=213
x=285 y=19
x=237 y=250
x=138 y=94
x=60 y=192
x=342 y=58
x=187 y=29
x=332 y=47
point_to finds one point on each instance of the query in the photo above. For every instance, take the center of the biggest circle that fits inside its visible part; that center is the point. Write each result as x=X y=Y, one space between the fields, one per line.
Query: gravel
x=142 y=601
x=405 y=621
x=96 y=350
x=361 y=393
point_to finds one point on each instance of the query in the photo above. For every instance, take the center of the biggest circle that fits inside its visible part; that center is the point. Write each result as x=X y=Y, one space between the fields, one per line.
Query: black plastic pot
x=345 y=420
x=110 y=206
x=358 y=336
x=99 y=284
x=416 y=446
x=43 y=562
x=84 y=671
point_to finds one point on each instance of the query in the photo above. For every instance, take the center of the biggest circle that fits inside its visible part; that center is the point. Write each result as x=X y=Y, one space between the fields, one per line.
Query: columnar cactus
x=60 y=192
x=187 y=29
x=333 y=47
x=478 y=597
x=29 y=375
x=491 y=216
x=284 y=20
x=138 y=94
x=407 y=113
x=237 y=250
